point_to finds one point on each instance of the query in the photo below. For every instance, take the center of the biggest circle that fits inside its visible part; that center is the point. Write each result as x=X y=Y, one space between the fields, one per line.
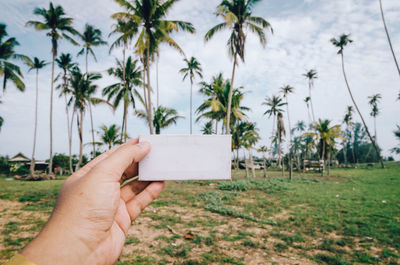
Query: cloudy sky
x=302 y=30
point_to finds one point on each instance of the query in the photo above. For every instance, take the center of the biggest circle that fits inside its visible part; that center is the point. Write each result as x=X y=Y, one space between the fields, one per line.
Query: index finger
x=114 y=165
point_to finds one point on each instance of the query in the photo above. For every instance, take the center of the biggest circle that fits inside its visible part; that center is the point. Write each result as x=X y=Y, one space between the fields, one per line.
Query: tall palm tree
x=274 y=106
x=340 y=43
x=286 y=90
x=36 y=65
x=280 y=133
x=58 y=26
x=193 y=68
x=82 y=89
x=388 y=37
x=311 y=75
x=325 y=136
x=109 y=136
x=237 y=15
x=65 y=63
x=8 y=70
x=153 y=29
x=263 y=149
x=91 y=37
x=163 y=117
x=374 y=100
x=129 y=75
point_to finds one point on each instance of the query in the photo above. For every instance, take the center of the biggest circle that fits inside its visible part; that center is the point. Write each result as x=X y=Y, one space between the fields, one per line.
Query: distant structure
x=21 y=160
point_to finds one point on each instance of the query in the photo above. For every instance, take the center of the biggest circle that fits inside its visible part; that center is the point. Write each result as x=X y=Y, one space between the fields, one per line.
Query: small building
x=21 y=160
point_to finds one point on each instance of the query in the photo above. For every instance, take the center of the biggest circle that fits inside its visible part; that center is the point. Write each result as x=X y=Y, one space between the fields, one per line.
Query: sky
x=302 y=30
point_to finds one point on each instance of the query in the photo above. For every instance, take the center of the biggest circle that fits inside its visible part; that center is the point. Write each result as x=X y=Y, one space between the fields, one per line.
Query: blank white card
x=186 y=157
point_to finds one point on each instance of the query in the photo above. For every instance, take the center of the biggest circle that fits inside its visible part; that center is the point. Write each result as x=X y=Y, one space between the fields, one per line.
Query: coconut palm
x=36 y=64
x=263 y=149
x=57 y=26
x=280 y=133
x=311 y=75
x=388 y=38
x=8 y=70
x=249 y=139
x=325 y=137
x=340 y=43
x=82 y=89
x=307 y=101
x=374 y=100
x=274 y=106
x=109 y=136
x=129 y=75
x=163 y=117
x=91 y=37
x=193 y=68
x=65 y=63
x=207 y=128
x=348 y=120
x=300 y=126
x=153 y=29
x=237 y=15
x=286 y=90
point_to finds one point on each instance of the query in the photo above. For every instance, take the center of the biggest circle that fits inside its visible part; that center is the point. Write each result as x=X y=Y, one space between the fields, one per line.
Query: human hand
x=93 y=214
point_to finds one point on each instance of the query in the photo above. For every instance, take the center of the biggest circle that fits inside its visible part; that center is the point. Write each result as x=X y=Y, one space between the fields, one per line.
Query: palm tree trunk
x=245 y=164
x=144 y=84
x=123 y=125
x=32 y=167
x=329 y=162
x=237 y=159
x=272 y=137
x=311 y=104
x=308 y=112
x=191 y=102
x=51 y=114
x=359 y=113
x=228 y=116
x=216 y=126
x=91 y=124
x=80 y=132
x=70 y=142
x=124 y=84
x=264 y=166
x=290 y=144
x=323 y=157
x=253 y=171
x=149 y=107
x=388 y=37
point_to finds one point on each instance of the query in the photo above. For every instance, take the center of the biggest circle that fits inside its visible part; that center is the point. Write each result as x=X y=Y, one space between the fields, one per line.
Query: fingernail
x=144 y=145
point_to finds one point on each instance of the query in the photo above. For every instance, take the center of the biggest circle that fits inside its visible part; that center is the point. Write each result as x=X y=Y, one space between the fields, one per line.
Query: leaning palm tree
x=373 y=102
x=58 y=26
x=36 y=65
x=65 y=63
x=311 y=75
x=193 y=68
x=129 y=75
x=388 y=38
x=8 y=70
x=274 y=105
x=286 y=90
x=340 y=43
x=91 y=37
x=237 y=15
x=163 y=117
x=153 y=28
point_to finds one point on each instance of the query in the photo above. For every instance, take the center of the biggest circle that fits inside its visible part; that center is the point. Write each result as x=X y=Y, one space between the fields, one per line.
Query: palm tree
x=280 y=133
x=65 y=63
x=109 y=136
x=340 y=43
x=274 y=104
x=1 y=122
x=286 y=90
x=249 y=139
x=193 y=68
x=35 y=64
x=9 y=70
x=307 y=101
x=396 y=150
x=388 y=37
x=373 y=102
x=348 y=120
x=311 y=75
x=153 y=29
x=90 y=38
x=263 y=149
x=237 y=15
x=82 y=89
x=163 y=117
x=325 y=135
x=58 y=26
x=129 y=75
x=207 y=128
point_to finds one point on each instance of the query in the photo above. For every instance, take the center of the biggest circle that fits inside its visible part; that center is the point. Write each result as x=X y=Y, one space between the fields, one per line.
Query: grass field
x=352 y=217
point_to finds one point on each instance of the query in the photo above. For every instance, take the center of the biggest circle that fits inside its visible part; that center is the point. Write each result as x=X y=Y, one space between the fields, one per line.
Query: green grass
x=351 y=217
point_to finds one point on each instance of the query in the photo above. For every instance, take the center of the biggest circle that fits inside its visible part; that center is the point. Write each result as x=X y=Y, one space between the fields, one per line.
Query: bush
x=4 y=166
